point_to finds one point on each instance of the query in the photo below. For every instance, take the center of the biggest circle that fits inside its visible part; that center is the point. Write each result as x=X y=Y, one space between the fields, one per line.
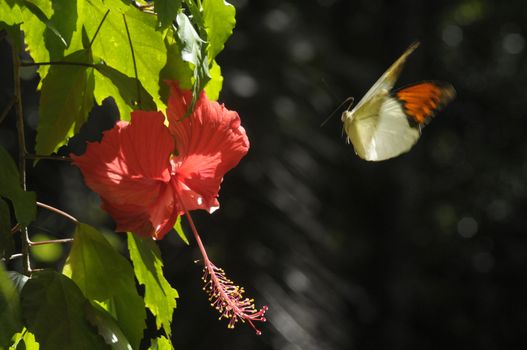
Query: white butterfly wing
x=382 y=131
x=386 y=82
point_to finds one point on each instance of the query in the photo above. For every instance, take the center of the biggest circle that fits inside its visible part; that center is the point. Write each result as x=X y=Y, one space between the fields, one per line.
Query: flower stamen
x=224 y=295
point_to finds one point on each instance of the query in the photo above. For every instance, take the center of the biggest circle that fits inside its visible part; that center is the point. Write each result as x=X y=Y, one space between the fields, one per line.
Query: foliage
x=87 y=51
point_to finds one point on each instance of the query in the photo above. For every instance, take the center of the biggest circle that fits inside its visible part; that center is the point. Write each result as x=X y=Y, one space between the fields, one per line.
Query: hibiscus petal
x=209 y=142
x=130 y=170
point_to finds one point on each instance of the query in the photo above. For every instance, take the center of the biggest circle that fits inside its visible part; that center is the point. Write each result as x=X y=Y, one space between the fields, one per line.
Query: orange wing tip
x=421 y=101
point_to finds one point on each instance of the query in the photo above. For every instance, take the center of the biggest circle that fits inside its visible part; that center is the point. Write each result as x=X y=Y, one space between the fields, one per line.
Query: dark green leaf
x=160 y=297
x=7 y=245
x=161 y=343
x=106 y=276
x=167 y=11
x=53 y=308
x=193 y=50
x=107 y=327
x=125 y=91
x=219 y=20
x=10 y=322
x=24 y=202
x=19 y=280
x=65 y=103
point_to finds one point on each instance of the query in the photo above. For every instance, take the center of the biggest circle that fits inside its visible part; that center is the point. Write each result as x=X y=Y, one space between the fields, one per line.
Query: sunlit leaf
x=113 y=47
x=53 y=308
x=213 y=87
x=175 y=69
x=23 y=202
x=106 y=276
x=10 y=321
x=7 y=245
x=24 y=340
x=190 y=42
x=179 y=230
x=161 y=343
x=167 y=11
x=10 y=12
x=160 y=297
x=65 y=103
x=219 y=20
x=107 y=327
x=125 y=91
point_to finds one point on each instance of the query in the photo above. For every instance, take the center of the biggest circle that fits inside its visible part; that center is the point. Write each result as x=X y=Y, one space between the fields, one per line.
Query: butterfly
x=386 y=123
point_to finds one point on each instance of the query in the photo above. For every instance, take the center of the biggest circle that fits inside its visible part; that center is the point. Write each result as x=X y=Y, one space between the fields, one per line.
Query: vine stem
x=58 y=211
x=56 y=63
x=38 y=156
x=51 y=241
x=21 y=151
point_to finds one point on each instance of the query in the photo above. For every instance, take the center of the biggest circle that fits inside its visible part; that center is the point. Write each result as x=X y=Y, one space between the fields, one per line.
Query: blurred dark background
x=425 y=251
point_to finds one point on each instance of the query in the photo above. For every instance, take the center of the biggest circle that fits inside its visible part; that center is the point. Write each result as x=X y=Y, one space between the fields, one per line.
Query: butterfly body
x=386 y=123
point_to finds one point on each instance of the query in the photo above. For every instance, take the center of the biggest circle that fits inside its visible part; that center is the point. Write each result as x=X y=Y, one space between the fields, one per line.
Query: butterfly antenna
x=349 y=99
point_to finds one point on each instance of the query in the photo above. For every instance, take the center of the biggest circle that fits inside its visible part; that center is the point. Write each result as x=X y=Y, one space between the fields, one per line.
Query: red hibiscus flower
x=148 y=174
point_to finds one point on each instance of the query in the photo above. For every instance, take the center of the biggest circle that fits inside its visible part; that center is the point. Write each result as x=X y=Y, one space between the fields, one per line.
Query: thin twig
x=21 y=150
x=39 y=156
x=98 y=28
x=7 y=109
x=138 y=86
x=14 y=256
x=51 y=241
x=58 y=211
x=56 y=63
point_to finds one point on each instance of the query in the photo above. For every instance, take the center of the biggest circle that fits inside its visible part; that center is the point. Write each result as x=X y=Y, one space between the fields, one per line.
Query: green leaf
x=10 y=321
x=64 y=19
x=24 y=340
x=167 y=11
x=213 y=87
x=160 y=297
x=179 y=230
x=65 y=103
x=53 y=308
x=106 y=276
x=24 y=202
x=113 y=47
x=34 y=27
x=7 y=245
x=10 y=12
x=124 y=90
x=19 y=280
x=107 y=327
x=176 y=69
x=161 y=343
x=193 y=50
x=190 y=42
x=219 y=20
